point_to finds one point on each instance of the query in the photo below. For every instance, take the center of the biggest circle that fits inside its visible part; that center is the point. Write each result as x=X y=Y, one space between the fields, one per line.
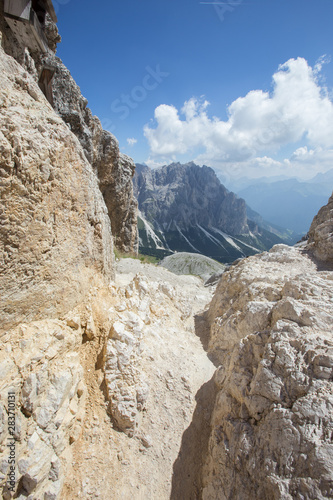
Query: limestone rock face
x=117 y=188
x=50 y=367
x=52 y=34
x=12 y=47
x=320 y=240
x=271 y=334
x=55 y=234
x=113 y=169
x=40 y=365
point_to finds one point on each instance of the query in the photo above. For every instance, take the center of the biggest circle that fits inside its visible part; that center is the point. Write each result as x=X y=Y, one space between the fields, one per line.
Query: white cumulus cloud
x=131 y=141
x=261 y=123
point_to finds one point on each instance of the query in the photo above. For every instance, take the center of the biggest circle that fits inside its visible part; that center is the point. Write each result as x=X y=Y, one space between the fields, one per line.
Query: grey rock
x=185 y=208
x=271 y=324
x=320 y=241
x=191 y=263
x=188 y=195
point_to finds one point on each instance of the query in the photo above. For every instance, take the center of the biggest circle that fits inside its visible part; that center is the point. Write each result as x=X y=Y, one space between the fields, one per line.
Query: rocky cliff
x=55 y=245
x=188 y=195
x=186 y=208
x=56 y=263
x=54 y=236
x=113 y=169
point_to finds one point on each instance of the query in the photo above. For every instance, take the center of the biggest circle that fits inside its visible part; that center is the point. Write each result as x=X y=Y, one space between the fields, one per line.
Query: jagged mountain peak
x=188 y=209
x=187 y=195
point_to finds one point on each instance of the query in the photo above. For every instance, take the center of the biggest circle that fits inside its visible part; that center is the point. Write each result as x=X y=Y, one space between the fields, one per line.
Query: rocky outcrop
x=51 y=33
x=55 y=236
x=271 y=336
x=117 y=189
x=47 y=376
x=320 y=237
x=113 y=169
x=185 y=208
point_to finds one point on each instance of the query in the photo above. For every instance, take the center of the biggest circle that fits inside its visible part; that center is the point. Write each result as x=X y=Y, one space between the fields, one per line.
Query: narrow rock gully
x=151 y=446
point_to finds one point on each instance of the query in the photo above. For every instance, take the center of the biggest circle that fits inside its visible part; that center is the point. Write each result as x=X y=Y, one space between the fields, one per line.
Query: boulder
x=320 y=241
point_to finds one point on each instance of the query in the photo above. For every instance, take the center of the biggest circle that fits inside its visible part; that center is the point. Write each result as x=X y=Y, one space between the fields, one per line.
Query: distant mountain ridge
x=288 y=203
x=185 y=208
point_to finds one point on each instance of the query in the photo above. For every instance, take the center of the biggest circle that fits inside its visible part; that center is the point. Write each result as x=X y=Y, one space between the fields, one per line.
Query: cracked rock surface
x=55 y=234
x=271 y=335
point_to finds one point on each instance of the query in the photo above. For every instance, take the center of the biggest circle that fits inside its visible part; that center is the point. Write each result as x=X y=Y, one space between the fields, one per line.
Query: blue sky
x=188 y=80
